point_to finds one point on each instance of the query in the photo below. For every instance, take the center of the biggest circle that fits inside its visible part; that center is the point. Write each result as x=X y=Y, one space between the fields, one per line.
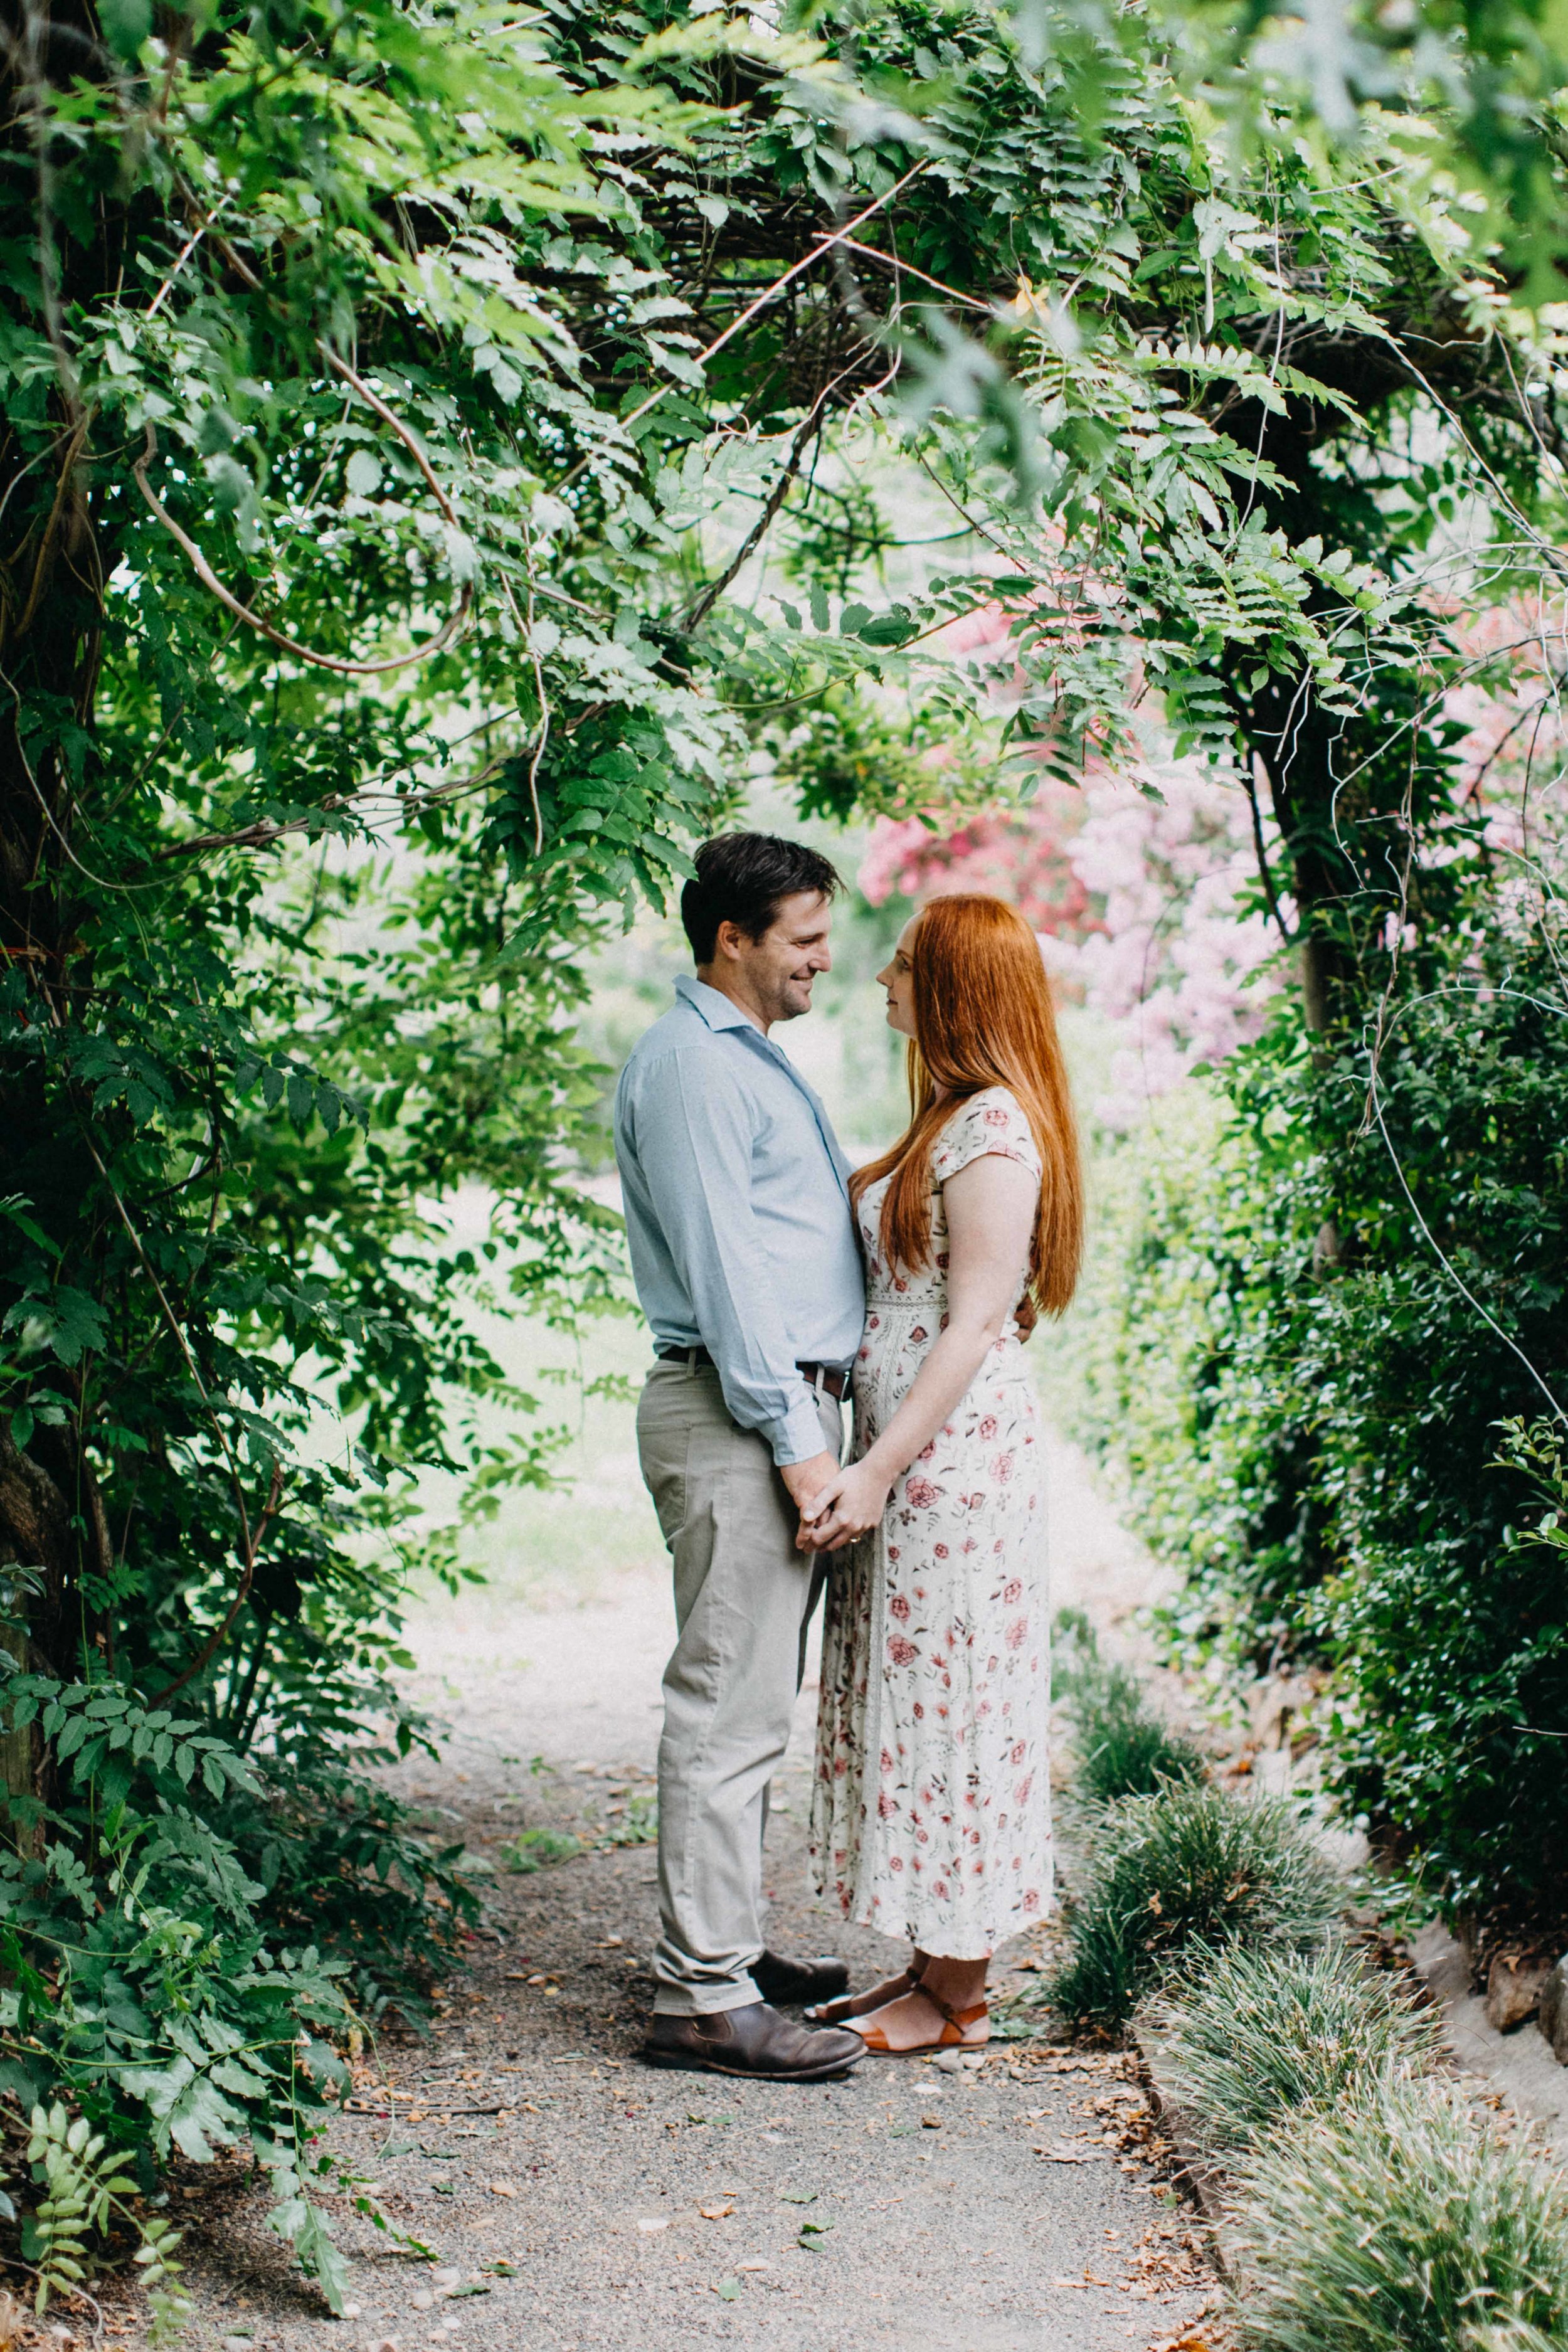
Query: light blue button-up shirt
x=737 y=1203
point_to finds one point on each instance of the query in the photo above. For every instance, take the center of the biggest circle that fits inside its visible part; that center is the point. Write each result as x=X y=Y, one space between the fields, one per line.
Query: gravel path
x=575 y=2198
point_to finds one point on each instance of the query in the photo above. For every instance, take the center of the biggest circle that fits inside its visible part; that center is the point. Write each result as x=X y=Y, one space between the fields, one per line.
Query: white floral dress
x=931 y=1804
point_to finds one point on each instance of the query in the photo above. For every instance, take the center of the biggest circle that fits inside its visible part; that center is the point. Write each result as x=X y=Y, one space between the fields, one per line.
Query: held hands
x=850 y=1504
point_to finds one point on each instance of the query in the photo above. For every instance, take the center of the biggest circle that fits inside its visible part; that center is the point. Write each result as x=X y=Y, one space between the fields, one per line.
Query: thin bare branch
x=210 y=581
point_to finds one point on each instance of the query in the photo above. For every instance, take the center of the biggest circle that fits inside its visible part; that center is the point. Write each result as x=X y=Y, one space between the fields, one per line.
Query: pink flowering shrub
x=1021 y=855
x=1143 y=907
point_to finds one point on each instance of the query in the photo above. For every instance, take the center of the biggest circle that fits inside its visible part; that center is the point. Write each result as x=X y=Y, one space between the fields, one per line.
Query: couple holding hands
x=777 y=1284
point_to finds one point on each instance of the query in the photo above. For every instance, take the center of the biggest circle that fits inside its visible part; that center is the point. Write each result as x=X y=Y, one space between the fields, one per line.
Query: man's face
x=775 y=973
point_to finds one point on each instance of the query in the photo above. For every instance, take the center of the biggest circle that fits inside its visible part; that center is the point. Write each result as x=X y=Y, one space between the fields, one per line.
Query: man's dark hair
x=741 y=878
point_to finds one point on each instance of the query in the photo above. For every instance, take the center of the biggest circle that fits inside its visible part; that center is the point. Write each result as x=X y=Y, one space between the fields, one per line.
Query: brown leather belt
x=825 y=1378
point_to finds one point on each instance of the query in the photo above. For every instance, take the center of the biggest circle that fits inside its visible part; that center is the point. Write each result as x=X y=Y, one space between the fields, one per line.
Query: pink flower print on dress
x=956 y=1705
x=887 y=1806
x=1017 y=1633
x=1001 y=1468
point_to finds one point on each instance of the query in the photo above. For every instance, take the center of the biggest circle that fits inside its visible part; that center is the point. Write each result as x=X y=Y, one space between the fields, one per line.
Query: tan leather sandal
x=843 y=2012
x=954 y=2034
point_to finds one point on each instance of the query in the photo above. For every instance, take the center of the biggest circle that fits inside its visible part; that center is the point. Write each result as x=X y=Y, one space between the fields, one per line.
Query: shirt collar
x=719 y=1011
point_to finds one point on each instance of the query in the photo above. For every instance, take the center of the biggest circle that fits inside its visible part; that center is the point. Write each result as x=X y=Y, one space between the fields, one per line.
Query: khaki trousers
x=743 y=1598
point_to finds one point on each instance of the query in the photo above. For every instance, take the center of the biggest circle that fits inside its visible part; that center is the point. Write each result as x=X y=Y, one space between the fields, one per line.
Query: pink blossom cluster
x=1514 y=752
x=1143 y=905
x=1020 y=854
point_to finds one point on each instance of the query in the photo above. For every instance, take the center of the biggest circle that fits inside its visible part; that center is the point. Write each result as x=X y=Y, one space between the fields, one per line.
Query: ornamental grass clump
x=1401 y=2225
x=1122 y=1747
x=1249 y=2037
x=1188 y=1865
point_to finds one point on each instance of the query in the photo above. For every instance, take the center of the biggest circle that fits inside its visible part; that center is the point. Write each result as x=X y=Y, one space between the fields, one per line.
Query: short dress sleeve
x=991 y=1123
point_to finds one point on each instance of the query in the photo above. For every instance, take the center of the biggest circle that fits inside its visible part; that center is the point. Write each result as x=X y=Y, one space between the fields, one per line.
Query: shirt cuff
x=798 y=1435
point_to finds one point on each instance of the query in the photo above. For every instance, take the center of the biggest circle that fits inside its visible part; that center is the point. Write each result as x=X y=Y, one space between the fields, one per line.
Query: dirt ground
x=573 y=2198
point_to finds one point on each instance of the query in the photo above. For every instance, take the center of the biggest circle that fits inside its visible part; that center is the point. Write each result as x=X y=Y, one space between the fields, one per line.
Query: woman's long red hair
x=983 y=1018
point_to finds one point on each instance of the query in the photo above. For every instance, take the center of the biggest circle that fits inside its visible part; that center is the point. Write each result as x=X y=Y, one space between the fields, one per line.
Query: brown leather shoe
x=784 y=1982
x=753 y=2041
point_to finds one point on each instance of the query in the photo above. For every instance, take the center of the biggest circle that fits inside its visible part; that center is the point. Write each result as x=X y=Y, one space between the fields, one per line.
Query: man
x=744 y=1251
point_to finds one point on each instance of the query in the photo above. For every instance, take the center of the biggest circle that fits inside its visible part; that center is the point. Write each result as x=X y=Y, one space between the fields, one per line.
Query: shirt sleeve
x=695 y=1131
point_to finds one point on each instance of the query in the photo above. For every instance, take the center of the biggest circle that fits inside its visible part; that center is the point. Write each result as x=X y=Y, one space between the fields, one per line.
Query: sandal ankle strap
x=956 y=2017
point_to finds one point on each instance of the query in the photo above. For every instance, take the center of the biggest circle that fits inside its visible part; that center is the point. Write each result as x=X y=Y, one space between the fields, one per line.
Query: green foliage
x=537 y=1849
x=1487 y=78
x=381 y=390
x=1122 y=1748
x=639 y=1825
x=141 y=1988
x=87 y=2188
x=1311 y=1425
x=1250 y=2039
x=1401 y=2226
x=1188 y=1866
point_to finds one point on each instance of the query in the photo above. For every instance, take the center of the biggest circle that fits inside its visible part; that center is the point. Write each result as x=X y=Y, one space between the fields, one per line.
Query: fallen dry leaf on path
x=716 y=2212
x=502 y=2189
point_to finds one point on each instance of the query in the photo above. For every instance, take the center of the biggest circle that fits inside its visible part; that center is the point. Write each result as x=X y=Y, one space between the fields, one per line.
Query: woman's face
x=898 y=979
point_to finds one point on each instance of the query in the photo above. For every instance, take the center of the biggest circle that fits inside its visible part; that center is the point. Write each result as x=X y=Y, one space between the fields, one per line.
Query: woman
x=931 y=1812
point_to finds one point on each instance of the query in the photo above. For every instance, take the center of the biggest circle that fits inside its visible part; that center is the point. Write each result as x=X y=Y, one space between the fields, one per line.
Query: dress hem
x=859 y=1915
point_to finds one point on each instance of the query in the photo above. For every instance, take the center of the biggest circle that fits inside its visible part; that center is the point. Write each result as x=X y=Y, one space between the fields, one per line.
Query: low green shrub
x=638 y=1825
x=1188 y=1865
x=1122 y=1747
x=191 y=1936
x=1311 y=1432
x=1249 y=2036
x=88 y=2187
x=537 y=1849
x=1401 y=2226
